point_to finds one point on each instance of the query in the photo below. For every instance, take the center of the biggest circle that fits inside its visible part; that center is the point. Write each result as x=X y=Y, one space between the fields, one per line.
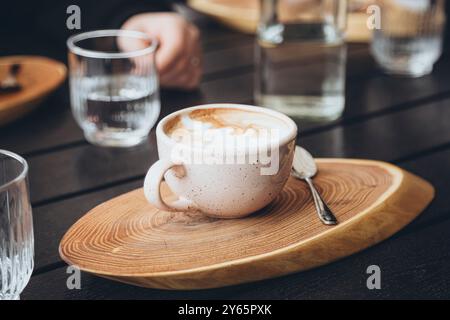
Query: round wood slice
x=38 y=76
x=129 y=240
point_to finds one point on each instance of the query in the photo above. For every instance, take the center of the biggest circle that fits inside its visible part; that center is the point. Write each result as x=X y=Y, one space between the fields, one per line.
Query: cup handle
x=152 y=184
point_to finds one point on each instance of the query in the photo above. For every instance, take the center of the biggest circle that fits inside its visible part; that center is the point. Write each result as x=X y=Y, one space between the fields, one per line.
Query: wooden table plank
x=53 y=220
x=388 y=137
x=435 y=168
x=18 y=138
x=53 y=126
x=84 y=169
x=52 y=285
x=414 y=265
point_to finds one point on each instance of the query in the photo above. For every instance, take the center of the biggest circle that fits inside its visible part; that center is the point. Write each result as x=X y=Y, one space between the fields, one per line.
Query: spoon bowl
x=304 y=167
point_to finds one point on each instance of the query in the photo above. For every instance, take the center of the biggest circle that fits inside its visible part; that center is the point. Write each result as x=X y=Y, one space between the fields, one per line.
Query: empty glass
x=409 y=41
x=16 y=226
x=301 y=57
x=114 y=86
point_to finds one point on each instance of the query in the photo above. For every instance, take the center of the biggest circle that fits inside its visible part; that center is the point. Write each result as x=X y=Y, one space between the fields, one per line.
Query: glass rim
x=72 y=40
x=23 y=173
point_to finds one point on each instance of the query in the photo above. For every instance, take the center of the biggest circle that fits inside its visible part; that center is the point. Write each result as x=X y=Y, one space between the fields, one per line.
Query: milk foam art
x=246 y=141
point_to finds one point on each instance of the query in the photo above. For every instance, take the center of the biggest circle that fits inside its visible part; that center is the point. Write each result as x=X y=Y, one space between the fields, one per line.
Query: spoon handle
x=325 y=214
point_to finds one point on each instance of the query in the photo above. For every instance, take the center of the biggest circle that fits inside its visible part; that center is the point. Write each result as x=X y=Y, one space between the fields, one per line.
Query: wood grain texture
x=49 y=230
x=128 y=240
x=414 y=266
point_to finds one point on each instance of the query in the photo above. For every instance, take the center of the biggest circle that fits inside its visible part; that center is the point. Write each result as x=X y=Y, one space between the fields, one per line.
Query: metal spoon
x=305 y=168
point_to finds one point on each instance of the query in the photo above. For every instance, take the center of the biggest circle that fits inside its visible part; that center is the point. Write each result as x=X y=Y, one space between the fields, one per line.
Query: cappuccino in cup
x=227 y=136
x=224 y=160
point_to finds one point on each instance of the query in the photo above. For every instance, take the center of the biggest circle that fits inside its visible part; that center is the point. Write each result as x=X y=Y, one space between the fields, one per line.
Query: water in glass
x=16 y=227
x=409 y=40
x=114 y=86
x=115 y=110
x=301 y=64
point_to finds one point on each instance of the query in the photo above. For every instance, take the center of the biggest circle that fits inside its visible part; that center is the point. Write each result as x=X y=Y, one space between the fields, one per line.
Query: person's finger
x=189 y=77
x=197 y=61
x=196 y=79
x=177 y=81
x=187 y=72
x=197 y=73
x=184 y=63
x=188 y=80
x=193 y=81
x=168 y=31
x=127 y=44
x=181 y=67
x=178 y=58
x=196 y=67
x=170 y=49
x=182 y=82
x=195 y=76
x=194 y=33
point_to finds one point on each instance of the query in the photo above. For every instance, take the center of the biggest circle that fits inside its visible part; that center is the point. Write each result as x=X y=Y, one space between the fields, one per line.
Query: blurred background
x=39 y=27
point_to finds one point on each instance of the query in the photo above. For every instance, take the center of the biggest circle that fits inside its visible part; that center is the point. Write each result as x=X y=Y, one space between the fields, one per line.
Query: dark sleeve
x=99 y=14
x=38 y=27
x=131 y=8
x=46 y=19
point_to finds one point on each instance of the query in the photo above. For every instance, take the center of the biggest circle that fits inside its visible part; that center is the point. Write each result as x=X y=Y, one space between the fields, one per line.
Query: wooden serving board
x=129 y=240
x=38 y=76
x=243 y=16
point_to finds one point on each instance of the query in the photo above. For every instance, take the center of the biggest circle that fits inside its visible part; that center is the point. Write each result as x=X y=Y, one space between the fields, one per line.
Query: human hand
x=179 y=57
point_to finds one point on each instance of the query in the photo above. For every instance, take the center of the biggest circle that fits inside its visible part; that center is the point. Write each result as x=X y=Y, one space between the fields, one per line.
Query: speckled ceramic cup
x=223 y=190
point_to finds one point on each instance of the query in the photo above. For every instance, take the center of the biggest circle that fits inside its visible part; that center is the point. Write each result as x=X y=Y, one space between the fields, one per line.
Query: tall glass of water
x=409 y=40
x=114 y=86
x=16 y=226
x=301 y=57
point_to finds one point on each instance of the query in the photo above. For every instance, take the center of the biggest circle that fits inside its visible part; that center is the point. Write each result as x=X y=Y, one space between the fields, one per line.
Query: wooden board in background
x=243 y=16
x=38 y=76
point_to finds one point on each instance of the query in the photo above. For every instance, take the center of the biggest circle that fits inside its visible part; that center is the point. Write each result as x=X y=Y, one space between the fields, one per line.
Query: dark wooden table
x=403 y=121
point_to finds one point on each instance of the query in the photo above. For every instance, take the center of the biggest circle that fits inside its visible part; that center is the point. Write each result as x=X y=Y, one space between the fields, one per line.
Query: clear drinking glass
x=409 y=41
x=301 y=57
x=16 y=226
x=114 y=86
